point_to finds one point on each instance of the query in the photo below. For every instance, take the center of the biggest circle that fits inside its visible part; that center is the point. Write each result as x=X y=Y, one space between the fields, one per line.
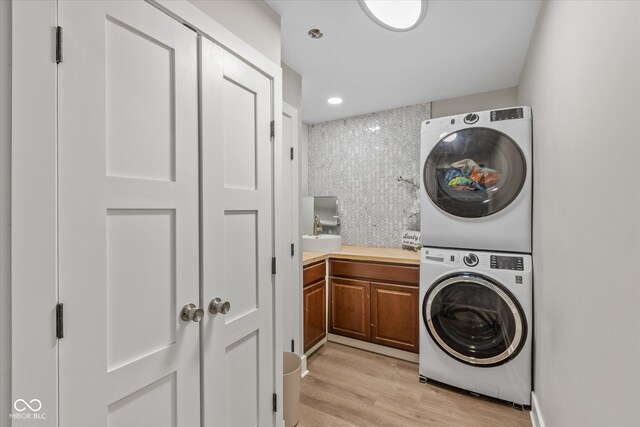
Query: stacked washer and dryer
x=476 y=272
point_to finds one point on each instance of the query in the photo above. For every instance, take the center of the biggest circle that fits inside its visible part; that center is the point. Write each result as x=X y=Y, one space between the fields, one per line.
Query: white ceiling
x=462 y=47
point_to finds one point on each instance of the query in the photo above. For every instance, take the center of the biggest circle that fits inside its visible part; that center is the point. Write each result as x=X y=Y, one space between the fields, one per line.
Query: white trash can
x=292 y=366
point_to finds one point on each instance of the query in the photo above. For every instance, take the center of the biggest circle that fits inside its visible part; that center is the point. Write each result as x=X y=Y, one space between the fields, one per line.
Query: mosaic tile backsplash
x=359 y=160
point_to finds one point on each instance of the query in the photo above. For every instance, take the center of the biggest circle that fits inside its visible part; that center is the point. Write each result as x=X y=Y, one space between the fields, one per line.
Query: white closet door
x=236 y=157
x=128 y=216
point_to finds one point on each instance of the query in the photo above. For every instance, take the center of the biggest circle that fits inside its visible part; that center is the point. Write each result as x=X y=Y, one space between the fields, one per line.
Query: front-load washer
x=476 y=321
x=476 y=176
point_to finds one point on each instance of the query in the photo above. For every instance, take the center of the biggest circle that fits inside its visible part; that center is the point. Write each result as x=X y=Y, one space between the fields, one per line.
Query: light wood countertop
x=359 y=253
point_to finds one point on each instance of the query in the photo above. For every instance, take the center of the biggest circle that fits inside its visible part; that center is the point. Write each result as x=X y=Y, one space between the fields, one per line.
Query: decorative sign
x=411 y=239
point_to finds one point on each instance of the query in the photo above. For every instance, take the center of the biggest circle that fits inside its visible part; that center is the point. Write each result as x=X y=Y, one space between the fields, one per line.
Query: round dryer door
x=474 y=320
x=474 y=172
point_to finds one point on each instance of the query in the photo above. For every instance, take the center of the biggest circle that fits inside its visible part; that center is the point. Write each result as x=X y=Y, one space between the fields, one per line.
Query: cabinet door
x=394 y=316
x=315 y=319
x=350 y=308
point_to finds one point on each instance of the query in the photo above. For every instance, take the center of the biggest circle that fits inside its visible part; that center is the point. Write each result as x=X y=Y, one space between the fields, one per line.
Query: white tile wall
x=358 y=159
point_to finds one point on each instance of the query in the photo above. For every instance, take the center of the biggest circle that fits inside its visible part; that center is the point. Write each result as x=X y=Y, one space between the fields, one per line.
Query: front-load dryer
x=476 y=177
x=476 y=321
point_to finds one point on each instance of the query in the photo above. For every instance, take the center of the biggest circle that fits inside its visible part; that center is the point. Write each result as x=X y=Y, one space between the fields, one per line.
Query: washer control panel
x=501 y=262
x=495 y=262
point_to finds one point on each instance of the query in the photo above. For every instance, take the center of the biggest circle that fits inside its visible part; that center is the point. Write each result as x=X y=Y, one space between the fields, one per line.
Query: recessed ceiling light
x=315 y=33
x=395 y=15
x=334 y=100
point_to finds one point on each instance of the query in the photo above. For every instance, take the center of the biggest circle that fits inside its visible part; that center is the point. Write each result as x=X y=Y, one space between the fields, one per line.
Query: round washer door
x=474 y=172
x=474 y=319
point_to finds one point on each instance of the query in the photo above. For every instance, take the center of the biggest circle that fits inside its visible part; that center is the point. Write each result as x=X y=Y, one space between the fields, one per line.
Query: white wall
x=292 y=95
x=251 y=20
x=5 y=211
x=291 y=87
x=476 y=102
x=582 y=79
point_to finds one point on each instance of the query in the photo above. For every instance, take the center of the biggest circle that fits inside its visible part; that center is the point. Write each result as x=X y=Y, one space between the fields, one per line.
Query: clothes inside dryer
x=474 y=172
x=467 y=175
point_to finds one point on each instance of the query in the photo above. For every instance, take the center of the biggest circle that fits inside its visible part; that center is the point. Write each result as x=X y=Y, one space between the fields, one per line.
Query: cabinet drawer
x=376 y=271
x=313 y=273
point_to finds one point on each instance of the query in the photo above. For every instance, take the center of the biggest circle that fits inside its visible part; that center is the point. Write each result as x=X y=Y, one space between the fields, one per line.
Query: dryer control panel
x=508 y=114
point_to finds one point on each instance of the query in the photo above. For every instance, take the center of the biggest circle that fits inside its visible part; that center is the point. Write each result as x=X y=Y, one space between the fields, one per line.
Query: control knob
x=471 y=259
x=471 y=118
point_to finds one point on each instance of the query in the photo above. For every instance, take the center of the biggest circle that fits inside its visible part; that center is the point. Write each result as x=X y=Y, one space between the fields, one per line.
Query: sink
x=321 y=243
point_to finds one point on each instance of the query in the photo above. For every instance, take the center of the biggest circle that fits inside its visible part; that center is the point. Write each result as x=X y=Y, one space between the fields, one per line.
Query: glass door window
x=474 y=172
x=474 y=320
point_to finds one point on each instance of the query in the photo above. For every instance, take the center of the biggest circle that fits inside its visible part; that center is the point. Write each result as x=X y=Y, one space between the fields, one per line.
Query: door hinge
x=273 y=129
x=293 y=252
x=273 y=265
x=291 y=153
x=293 y=346
x=275 y=402
x=58 y=45
x=59 y=321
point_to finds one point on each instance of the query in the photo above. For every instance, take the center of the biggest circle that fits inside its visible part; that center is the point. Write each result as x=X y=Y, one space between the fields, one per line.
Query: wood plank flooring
x=351 y=387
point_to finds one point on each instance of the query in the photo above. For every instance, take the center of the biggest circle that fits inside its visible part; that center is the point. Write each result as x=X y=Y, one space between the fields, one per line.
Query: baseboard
x=536 y=413
x=315 y=347
x=375 y=348
x=304 y=371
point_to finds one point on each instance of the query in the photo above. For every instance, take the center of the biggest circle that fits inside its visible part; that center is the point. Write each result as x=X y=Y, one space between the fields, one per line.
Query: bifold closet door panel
x=236 y=156
x=128 y=216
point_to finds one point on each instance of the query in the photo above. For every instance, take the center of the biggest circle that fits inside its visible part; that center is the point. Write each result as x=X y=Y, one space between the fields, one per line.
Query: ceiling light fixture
x=395 y=15
x=334 y=101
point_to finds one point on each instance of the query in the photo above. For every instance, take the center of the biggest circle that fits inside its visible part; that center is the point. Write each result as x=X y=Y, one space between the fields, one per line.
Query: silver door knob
x=218 y=306
x=191 y=313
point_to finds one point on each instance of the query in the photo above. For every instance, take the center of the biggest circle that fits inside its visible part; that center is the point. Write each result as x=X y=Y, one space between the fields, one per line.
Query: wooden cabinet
x=395 y=316
x=314 y=296
x=315 y=319
x=349 y=308
x=375 y=302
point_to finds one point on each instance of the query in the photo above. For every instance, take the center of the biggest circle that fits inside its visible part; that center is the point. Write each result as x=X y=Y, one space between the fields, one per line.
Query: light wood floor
x=350 y=387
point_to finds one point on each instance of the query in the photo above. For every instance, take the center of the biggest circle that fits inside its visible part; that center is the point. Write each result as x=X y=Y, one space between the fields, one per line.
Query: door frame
x=34 y=366
x=5 y=206
x=293 y=283
x=34 y=255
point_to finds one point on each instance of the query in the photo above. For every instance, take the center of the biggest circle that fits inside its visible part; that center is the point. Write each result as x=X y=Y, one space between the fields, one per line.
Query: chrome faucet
x=317 y=227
